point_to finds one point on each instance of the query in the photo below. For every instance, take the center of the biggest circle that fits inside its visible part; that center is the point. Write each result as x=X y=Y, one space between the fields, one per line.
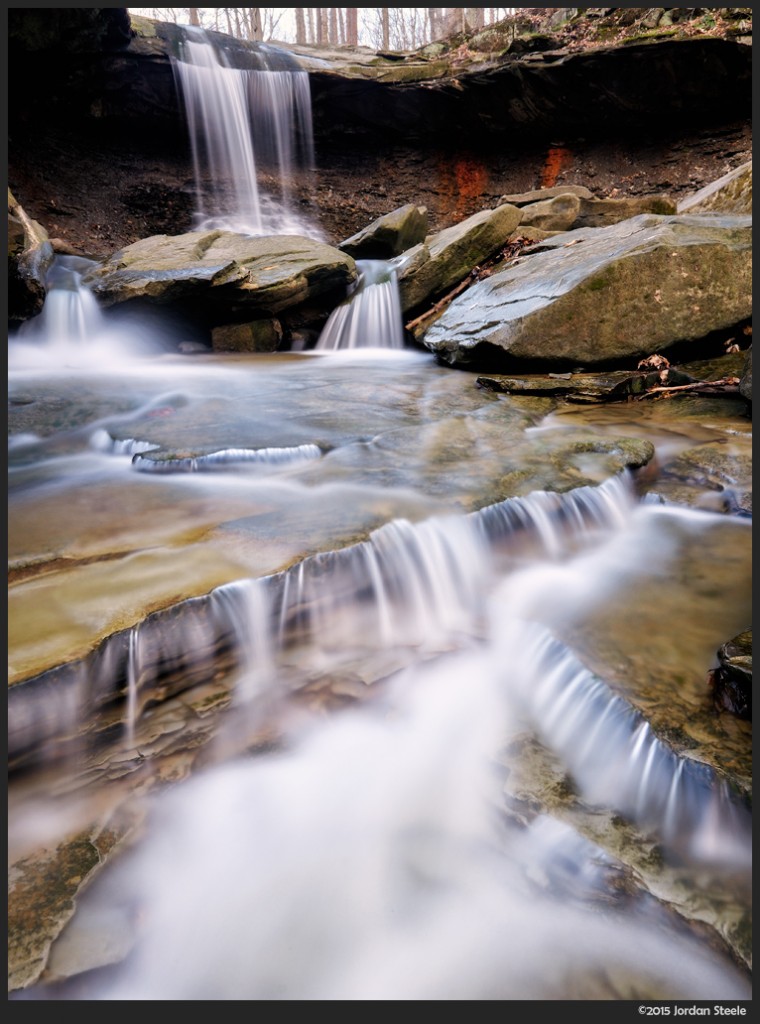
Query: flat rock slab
x=615 y=386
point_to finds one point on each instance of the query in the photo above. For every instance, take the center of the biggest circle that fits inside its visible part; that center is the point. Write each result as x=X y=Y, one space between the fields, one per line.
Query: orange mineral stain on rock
x=557 y=159
x=463 y=181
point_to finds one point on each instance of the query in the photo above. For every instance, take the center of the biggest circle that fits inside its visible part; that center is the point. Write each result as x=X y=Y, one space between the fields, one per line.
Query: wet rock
x=390 y=235
x=30 y=253
x=731 y=681
x=614 y=386
x=595 y=295
x=222 y=272
x=34 y=924
x=257 y=336
x=447 y=257
x=721 y=467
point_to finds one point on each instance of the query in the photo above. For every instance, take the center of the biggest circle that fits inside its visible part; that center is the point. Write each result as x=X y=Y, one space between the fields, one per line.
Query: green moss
x=661 y=206
x=596 y=284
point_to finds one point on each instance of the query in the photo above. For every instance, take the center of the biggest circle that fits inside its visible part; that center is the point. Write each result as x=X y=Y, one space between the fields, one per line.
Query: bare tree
x=352 y=26
x=300 y=26
x=476 y=16
x=385 y=22
x=255 y=25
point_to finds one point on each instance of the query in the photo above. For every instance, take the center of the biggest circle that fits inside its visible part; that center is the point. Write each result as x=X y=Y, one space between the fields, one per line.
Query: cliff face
x=624 y=100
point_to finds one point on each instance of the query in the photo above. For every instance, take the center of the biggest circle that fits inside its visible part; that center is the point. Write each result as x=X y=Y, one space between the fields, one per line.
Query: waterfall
x=243 y=124
x=370 y=316
x=72 y=331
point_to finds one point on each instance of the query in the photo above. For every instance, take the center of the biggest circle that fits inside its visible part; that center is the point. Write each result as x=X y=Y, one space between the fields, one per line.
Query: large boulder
x=446 y=258
x=596 y=295
x=223 y=272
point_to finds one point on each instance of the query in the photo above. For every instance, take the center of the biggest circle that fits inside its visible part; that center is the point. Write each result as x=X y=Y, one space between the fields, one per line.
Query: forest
x=398 y=28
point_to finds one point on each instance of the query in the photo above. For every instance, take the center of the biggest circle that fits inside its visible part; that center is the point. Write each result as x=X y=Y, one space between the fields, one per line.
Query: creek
x=336 y=676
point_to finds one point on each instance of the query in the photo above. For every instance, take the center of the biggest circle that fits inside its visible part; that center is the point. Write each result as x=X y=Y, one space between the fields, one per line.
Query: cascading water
x=72 y=331
x=242 y=122
x=370 y=316
x=386 y=853
x=384 y=768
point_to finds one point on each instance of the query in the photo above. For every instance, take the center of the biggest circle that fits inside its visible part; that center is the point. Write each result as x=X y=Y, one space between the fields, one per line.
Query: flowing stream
x=334 y=676
x=415 y=778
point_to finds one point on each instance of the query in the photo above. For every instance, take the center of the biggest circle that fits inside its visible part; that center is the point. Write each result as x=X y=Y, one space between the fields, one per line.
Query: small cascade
x=370 y=316
x=133 y=685
x=266 y=458
x=242 y=123
x=417 y=880
x=71 y=331
x=612 y=753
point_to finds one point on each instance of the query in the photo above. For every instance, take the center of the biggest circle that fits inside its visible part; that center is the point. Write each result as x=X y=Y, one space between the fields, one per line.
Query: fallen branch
x=485 y=269
x=726 y=385
x=438 y=306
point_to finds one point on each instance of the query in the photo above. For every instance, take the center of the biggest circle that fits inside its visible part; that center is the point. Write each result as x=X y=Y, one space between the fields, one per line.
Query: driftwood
x=724 y=386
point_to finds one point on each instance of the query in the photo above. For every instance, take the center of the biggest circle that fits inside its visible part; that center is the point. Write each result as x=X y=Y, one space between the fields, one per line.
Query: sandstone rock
x=557 y=214
x=538 y=194
x=592 y=296
x=597 y=213
x=448 y=256
x=257 y=336
x=731 y=193
x=29 y=257
x=224 y=270
x=390 y=235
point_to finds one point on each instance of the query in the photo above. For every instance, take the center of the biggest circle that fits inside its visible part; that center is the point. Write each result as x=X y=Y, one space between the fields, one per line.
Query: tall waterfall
x=245 y=125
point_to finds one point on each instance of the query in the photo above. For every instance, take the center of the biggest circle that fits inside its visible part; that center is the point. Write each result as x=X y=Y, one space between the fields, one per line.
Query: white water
x=370 y=317
x=374 y=855
x=72 y=332
x=240 y=121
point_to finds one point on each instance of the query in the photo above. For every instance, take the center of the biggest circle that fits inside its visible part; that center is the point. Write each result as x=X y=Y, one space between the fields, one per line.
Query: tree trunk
x=194 y=15
x=333 y=30
x=300 y=26
x=321 y=20
x=255 y=24
x=352 y=26
x=386 y=27
x=435 y=17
